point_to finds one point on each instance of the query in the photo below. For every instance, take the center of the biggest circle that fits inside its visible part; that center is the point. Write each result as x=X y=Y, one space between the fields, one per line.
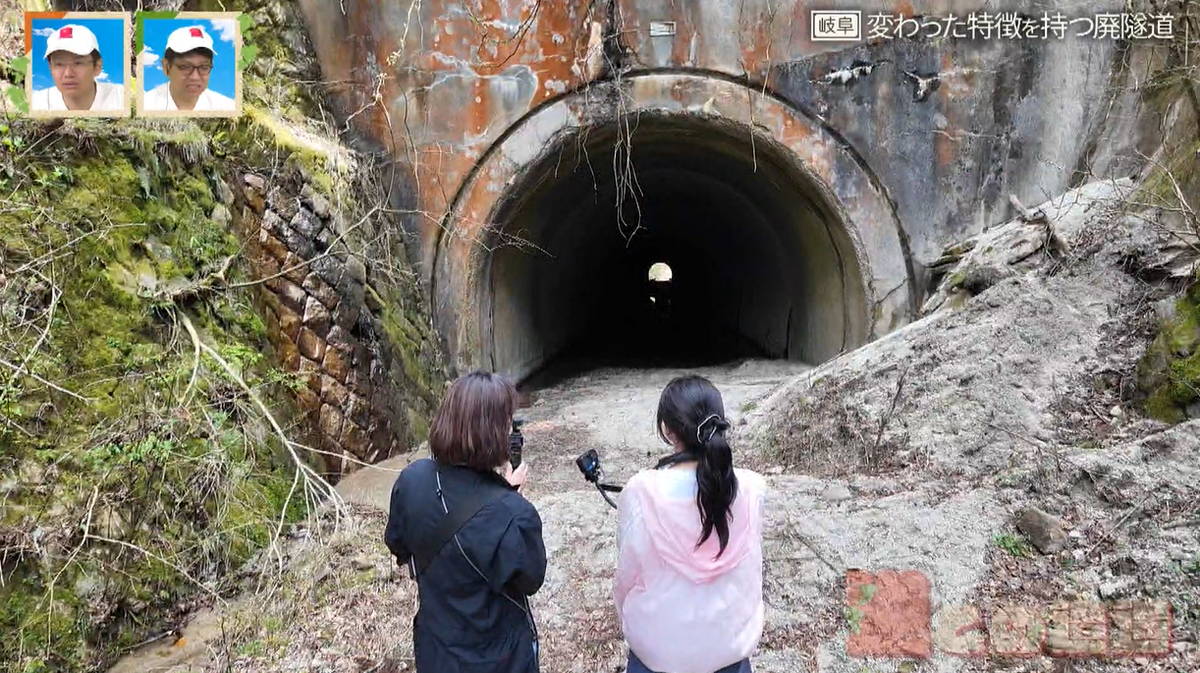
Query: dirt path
x=866 y=523
x=611 y=410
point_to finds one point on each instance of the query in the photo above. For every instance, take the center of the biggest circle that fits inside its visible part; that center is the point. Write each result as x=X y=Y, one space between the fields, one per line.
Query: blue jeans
x=635 y=665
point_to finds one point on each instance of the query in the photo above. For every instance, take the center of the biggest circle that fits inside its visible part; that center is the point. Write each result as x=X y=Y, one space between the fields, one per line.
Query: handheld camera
x=589 y=464
x=516 y=442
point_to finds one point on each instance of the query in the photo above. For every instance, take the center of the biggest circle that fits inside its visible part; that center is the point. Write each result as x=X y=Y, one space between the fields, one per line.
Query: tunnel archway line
x=761 y=89
x=830 y=167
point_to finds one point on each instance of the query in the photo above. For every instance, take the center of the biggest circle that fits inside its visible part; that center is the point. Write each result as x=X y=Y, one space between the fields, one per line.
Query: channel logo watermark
x=890 y=616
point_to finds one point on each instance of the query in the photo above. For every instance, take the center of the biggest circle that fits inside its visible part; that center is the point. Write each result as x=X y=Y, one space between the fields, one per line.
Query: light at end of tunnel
x=659 y=271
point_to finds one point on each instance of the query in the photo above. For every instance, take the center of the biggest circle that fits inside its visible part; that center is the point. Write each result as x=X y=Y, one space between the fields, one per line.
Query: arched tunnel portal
x=552 y=241
x=758 y=266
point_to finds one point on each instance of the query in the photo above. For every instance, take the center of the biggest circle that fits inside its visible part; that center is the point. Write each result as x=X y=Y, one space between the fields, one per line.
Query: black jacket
x=473 y=615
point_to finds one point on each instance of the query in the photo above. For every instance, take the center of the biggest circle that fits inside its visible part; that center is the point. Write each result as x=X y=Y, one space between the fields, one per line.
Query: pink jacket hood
x=673 y=525
x=683 y=609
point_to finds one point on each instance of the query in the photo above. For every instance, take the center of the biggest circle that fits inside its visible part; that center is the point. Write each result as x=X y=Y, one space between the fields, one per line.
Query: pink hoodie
x=682 y=608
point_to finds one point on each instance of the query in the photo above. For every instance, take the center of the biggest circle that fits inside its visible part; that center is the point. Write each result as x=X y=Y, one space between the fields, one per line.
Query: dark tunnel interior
x=759 y=267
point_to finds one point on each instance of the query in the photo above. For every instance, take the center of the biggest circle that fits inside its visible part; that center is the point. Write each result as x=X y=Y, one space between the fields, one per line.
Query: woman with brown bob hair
x=470 y=540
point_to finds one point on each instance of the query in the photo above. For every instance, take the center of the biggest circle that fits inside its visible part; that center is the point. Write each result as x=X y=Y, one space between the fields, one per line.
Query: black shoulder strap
x=449 y=525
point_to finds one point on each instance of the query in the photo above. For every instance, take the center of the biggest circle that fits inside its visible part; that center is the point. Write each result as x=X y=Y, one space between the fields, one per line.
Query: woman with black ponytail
x=688 y=585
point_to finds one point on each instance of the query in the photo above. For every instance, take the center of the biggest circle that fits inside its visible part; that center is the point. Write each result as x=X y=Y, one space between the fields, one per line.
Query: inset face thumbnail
x=80 y=66
x=186 y=69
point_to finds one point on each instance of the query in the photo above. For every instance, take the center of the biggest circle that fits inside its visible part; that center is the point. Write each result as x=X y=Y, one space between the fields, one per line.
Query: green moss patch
x=144 y=478
x=134 y=476
x=1169 y=373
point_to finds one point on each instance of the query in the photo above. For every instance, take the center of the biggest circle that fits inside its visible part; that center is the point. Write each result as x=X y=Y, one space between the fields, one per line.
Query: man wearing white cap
x=75 y=64
x=187 y=63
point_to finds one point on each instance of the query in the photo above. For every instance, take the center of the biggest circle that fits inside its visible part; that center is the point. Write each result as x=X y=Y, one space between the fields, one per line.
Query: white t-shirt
x=159 y=99
x=109 y=98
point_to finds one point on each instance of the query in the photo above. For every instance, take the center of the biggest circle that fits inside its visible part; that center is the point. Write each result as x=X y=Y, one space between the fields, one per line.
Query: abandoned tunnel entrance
x=758 y=266
x=778 y=241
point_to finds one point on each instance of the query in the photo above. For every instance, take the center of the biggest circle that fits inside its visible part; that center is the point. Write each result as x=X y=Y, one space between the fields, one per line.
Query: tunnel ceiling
x=760 y=266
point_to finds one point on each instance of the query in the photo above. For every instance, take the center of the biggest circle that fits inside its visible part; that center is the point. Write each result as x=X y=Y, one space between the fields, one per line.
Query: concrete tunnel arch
x=780 y=240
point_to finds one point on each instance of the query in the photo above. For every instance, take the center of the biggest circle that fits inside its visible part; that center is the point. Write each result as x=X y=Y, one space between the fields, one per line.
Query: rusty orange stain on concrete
x=818 y=162
x=756 y=47
x=800 y=42
x=631 y=22
x=945 y=144
x=685 y=32
x=473 y=213
x=561 y=35
x=490 y=37
x=488 y=45
x=793 y=133
x=480 y=39
x=440 y=171
x=479 y=109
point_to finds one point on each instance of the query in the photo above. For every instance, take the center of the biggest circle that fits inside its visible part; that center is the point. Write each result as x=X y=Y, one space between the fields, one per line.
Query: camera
x=516 y=442
x=589 y=465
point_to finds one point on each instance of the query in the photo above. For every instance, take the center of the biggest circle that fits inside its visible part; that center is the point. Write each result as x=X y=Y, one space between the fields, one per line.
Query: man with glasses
x=187 y=63
x=73 y=54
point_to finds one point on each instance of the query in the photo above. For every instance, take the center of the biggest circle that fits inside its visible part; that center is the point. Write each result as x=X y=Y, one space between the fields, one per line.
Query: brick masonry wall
x=365 y=397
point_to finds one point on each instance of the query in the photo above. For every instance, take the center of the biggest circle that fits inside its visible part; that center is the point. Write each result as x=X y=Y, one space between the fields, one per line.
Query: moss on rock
x=1169 y=373
x=144 y=471
x=163 y=484
x=156 y=455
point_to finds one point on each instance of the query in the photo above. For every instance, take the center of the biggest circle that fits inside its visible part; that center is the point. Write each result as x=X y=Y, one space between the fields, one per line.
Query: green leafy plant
x=241 y=357
x=56 y=176
x=18 y=67
x=11 y=140
x=854 y=615
x=16 y=96
x=1015 y=545
x=290 y=380
x=151 y=449
x=16 y=70
x=249 y=51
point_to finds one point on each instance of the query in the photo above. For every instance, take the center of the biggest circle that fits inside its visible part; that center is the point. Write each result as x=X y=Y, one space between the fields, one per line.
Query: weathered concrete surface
x=474 y=94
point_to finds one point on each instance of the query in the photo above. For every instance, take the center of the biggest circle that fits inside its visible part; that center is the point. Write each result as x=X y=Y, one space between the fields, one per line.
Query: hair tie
x=720 y=424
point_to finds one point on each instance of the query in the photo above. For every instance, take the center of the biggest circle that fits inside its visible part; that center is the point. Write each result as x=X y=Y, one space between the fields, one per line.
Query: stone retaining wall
x=364 y=397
